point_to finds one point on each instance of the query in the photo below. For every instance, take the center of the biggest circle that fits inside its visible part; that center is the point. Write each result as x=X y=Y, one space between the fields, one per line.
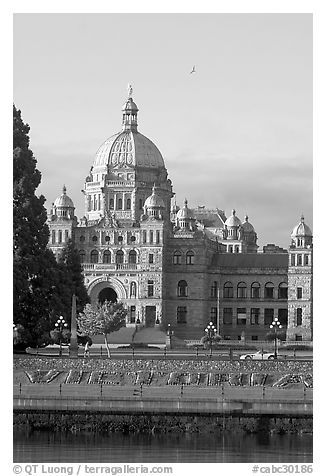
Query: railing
x=109 y=266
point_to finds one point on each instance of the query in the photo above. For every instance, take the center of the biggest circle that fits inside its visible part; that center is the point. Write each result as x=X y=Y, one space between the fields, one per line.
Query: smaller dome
x=64 y=200
x=301 y=229
x=233 y=220
x=130 y=105
x=246 y=226
x=184 y=212
x=154 y=201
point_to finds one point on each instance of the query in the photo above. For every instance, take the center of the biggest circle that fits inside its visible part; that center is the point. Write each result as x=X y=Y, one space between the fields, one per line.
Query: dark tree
x=71 y=280
x=35 y=271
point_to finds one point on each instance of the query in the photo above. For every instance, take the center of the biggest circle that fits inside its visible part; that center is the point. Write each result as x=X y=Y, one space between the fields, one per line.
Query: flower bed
x=41 y=376
x=74 y=376
x=144 y=377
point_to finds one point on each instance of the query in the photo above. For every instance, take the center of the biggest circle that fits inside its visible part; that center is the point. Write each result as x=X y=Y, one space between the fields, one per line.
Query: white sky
x=236 y=134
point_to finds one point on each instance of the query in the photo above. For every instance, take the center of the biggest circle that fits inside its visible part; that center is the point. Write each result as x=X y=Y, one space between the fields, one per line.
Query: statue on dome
x=130 y=90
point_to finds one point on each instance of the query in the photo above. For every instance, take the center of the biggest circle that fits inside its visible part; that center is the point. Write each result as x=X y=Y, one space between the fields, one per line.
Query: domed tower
x=184 y=218
x=61 y=222
x=249 y=236
x=232 y=227
x=123 y=173
x=154 y=206
x=300 y=310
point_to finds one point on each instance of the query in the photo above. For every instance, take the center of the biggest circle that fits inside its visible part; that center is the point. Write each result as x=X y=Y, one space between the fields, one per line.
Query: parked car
x=260 y=355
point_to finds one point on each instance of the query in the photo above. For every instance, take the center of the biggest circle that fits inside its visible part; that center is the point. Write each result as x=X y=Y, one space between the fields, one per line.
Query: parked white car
x=260 y=355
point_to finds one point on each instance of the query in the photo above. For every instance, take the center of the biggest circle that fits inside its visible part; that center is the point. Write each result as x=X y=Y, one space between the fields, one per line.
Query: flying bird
x=193 y=70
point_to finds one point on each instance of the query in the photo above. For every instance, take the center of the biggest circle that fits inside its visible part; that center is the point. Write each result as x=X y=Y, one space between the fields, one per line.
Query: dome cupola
x=185 y=218
x=63 y=206
x=129 y=116
x=154 y=204
x=232 y=225
x=301 y=234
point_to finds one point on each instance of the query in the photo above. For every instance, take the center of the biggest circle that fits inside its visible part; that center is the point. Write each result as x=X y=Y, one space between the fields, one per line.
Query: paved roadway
x=97 y=350
x=110 y=392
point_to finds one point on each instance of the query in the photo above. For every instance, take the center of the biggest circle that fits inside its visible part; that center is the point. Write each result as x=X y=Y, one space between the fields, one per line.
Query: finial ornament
x=130 y=90
x=233 y=211
x=302 y=218
x=246 y=217
x=64 y=189
x=186 y=202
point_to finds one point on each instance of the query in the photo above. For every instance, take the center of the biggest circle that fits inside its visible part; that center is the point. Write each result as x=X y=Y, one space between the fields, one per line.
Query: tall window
x=299 y=260
x=182 y=288
x=133 y=289
x=53 y=236
x=241 y=316
x=214 y=289
x=119 y=257
x=150 y=288
x=144 y=236
x=132 y=257
x=268 y=316
x=119 y=203
x=111 y=204
x=254 y=315
x=151 y=258
x=227 y=316
x=242 y=290
x=157 y=236
x=60 y=236
x=283 y=317
x=181 y=315
x=292 y=260
x=151 y=237
x=177 y=257
x=299 y=316
x=128 y=204
x=269 y=291
x=107 y=257
x=190 y=257
x=306 y=260
x=255 y=291
x=283 y=291
x=140 y=204
x=132 y=314
x=66 y=235
x=82 y=256
x=299 y=293
x=228 y=290
x=94 y=256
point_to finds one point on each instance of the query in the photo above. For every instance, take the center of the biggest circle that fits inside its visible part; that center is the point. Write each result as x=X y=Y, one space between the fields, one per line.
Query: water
x=45 y=447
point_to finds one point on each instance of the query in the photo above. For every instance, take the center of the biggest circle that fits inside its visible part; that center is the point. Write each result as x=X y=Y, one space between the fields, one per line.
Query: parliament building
x=176 y=265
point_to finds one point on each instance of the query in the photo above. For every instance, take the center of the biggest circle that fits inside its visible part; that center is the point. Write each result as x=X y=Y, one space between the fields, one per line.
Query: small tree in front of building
x=102 y=319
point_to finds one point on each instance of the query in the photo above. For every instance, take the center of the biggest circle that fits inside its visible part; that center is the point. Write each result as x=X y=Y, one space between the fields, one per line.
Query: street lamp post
x=210 y=331
x=60 y=325
x=276 y=325
x=170 y=333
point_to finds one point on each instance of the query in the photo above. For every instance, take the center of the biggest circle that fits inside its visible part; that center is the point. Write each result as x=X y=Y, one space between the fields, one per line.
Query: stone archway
x=106 y=287
x=107 y=294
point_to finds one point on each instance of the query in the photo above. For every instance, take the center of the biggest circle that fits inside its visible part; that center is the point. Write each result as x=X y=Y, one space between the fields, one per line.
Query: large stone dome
x=128 y=148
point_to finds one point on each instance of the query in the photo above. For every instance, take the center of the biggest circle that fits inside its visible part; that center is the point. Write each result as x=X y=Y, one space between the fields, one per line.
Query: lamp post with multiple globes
x=276 y=325
x=60 y=325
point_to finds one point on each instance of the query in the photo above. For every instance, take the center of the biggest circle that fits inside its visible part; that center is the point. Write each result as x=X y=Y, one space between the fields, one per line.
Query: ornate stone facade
x=178 y=266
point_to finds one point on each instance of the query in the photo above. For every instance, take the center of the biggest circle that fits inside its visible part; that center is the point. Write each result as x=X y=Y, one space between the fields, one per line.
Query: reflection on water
x=45 y=447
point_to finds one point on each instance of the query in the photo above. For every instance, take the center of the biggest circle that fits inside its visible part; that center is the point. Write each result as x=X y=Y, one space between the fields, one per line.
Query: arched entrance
x=107 y=294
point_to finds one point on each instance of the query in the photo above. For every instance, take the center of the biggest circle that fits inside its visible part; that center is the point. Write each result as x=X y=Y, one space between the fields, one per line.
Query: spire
x=246 y=218
x=130 y=109
x=186 y=203
x=233 y=212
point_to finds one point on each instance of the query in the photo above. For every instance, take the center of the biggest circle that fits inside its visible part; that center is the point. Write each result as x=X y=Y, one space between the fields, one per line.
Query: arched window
x=228 y=290
x=190 y=257
x=119 y=203
x=66 y=235
x=53 y=236
x=299 y=316
x=255 y=291
x=157 y=236
x=94 y=256
x=82 y=256
x=133 y=289
x=242 y=290
x=132 y=257
x=60 y=236
x=177 y=257
x=269 y=291
x=128 y=204
x=299 y=260
x=182 y=289
x=283 y=291
x=107 y=257
x=119 y=257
